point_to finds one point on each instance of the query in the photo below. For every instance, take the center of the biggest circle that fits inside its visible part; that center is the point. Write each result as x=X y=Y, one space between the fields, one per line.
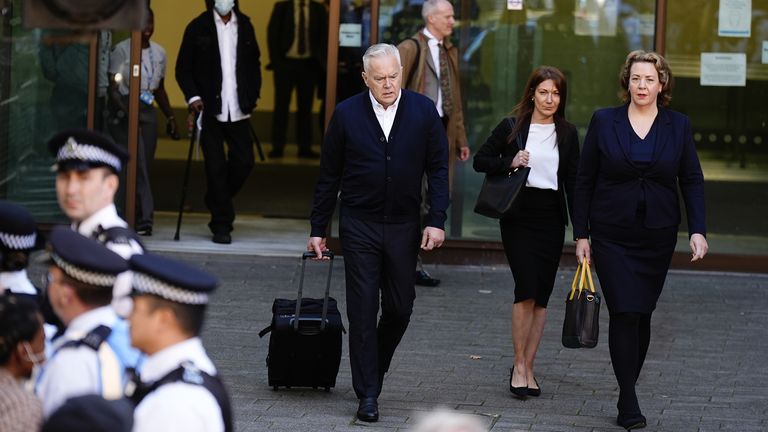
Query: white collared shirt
x=545 y=158
x=107 y=218
x=76 y=371
x=227 y=37
x=434 y=51
x=178 y=406
x=16 y=281
x=293 y=52
x=385 y=116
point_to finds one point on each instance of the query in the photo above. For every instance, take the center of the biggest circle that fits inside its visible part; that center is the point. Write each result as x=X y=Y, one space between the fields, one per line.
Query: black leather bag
x=499 y=192
x=582 y=311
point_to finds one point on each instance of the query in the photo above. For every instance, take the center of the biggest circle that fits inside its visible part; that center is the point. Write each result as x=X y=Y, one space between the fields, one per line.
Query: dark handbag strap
x=519 y=138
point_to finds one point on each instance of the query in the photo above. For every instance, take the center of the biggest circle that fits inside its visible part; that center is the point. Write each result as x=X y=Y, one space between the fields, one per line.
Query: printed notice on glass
x=514 y=4
x=735 y=18
x=350 y=35
x=723 y=69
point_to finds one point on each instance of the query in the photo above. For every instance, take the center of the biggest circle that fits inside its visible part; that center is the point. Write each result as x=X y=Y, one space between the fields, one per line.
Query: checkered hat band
x=87 y=153
x=149 y=285
x=18 y=241
x=85 y=276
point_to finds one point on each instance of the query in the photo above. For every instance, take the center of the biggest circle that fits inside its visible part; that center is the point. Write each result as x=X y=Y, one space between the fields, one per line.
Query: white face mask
x=223 y=7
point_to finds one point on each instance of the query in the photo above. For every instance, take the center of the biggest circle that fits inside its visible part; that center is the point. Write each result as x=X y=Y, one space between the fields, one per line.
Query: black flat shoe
x=222 y=238
x=368 y=410
x=520 y=392
x=535 y=392
x=630 y=421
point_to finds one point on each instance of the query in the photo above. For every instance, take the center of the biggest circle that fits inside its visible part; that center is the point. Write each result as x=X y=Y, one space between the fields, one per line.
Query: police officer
x=18 y=237
x=179 y=389
x=88 y=164
x=94 y=351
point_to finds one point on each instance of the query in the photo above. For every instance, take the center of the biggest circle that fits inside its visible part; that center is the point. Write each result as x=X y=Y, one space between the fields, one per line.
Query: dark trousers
x=226 y=170
x=378 y=261
x=145 y=204
x=629 y=335
x=301 y=75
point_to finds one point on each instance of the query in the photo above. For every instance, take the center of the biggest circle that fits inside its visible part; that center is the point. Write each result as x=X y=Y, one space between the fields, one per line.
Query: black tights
x=628 y=337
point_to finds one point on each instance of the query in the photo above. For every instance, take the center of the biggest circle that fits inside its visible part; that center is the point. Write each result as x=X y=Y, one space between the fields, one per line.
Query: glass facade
x=588 y=40
x=44 y=76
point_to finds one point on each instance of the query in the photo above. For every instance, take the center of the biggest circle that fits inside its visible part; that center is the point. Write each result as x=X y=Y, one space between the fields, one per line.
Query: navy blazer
x=496 y=154
x=198 y=65
x=609 y=185
x=380 y=176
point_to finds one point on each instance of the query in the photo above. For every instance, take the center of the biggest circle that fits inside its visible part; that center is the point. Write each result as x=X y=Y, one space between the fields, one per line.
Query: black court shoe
x=535 y=392
x=520 y=392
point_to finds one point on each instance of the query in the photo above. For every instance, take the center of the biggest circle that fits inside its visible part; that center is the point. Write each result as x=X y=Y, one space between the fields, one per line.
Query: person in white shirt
x=219 y=72
x=540 y=138
x=18 y=237
x=178 y=389
x=92 y=355
x=152 y=89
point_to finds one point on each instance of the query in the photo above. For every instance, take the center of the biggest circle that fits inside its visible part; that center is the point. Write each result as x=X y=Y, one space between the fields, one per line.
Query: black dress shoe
x=520 y=392
x=630 y=421
x=146 y=232
x=424 y=279
x=275 y=154
x=535 y=392
x=368 y=410
x=222 y=238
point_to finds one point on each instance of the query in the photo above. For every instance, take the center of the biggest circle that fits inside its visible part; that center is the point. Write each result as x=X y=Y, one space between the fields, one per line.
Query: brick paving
x=706 y=367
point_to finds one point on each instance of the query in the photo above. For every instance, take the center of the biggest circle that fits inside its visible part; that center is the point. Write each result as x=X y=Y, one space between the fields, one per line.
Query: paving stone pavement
x=706 y=369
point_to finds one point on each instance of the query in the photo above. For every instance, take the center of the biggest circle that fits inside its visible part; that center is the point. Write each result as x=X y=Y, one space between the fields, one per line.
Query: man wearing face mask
x=218 y=69
x=21 y=350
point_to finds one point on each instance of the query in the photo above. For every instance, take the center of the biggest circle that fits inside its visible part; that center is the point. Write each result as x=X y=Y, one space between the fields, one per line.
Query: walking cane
x=186 y=177
x=257 y=141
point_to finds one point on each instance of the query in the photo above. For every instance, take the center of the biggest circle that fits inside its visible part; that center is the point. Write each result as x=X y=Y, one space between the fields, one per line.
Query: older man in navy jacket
x=378 y=146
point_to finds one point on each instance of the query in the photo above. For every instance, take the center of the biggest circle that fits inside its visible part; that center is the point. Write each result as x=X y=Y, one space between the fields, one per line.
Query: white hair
x=444 y=420
x=430 y=6
x=380 y=50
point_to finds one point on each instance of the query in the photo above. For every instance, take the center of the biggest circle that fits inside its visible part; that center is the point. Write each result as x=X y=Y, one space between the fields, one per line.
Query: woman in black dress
x=635 y=157
x=538 y=137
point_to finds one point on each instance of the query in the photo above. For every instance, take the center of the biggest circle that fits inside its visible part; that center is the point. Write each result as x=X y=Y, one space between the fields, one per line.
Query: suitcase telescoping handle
x=304 y=258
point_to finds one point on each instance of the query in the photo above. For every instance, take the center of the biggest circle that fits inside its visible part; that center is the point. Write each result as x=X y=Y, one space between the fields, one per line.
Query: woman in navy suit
x=541 y=138
x=635 y=157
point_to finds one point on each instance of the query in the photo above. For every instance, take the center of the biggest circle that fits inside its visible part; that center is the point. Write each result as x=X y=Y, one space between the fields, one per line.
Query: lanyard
x=151 y=71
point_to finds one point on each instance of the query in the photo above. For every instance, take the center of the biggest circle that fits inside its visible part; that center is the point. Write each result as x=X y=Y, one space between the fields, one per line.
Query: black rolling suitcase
x=305 y=344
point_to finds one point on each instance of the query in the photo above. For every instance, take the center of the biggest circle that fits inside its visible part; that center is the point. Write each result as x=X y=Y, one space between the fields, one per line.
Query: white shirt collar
x=84 y=323
x=106 y=217
x=431 y=37
x=17 y=281
x=377 y=107
x=159 y=364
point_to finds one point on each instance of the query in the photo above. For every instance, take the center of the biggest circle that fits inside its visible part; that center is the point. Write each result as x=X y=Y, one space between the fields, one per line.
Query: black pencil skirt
x=632 y=263
x=533 y=241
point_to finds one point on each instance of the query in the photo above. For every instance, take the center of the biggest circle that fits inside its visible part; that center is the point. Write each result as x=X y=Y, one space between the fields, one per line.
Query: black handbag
x=582 y=311
x=499 y=192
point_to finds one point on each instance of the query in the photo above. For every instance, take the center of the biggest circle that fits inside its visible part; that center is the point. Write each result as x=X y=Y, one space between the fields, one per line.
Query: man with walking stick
x=218 y=69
